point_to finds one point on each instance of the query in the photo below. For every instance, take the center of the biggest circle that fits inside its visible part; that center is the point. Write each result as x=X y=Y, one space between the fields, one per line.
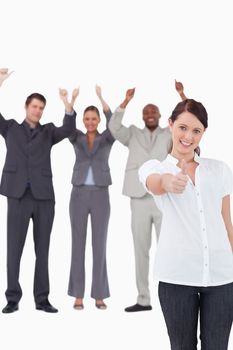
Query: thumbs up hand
x=176 y=183
x=181 y=179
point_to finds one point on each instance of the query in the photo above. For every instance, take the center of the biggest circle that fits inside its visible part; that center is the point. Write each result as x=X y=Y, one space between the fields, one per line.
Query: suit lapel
x=85 y=144
x=36 y=131
x=31 y=134
x=154 y=136
x=26 y=129
x=95 y=144
x=143 y=138
x=149 y=138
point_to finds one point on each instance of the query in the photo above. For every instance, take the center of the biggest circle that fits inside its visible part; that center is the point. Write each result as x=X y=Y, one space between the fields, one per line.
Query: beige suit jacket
x=143 y=145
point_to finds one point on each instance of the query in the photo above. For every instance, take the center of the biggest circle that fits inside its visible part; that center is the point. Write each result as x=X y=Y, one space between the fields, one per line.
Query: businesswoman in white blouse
x=194 y=261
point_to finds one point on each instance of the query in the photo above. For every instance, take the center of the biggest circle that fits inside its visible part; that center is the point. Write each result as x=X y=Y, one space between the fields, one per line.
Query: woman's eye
x=197 y=131
x=182 y=128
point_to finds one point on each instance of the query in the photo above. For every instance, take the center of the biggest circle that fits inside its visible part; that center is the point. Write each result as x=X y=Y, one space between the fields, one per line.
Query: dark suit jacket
x=28 y=156
x=97 y=158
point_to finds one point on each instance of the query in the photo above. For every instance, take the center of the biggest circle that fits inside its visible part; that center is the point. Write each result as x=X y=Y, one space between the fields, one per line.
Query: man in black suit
x=27 y=184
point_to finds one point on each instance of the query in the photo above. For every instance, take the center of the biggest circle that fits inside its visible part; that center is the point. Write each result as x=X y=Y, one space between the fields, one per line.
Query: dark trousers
x=87 y=200
x=181 y=306
x=19 y=213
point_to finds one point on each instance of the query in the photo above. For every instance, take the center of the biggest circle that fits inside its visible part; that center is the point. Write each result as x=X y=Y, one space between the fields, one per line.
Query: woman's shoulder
x=214 y=164
x=211 y=161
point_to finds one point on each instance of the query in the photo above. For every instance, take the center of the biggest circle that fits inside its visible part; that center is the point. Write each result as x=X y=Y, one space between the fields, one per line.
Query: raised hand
x=75 y=94
x=98 y=91
x=105 y=105
x=4 y=74
x=180 y=89
x=63 y=95
x=129 y=95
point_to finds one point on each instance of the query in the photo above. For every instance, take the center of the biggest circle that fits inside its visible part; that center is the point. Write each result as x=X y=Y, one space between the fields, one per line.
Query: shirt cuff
x=119 y=109
x=69 y=113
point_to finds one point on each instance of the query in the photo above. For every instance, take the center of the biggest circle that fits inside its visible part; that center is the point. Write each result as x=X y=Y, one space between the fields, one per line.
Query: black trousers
x=181 y=306
x=19 y=213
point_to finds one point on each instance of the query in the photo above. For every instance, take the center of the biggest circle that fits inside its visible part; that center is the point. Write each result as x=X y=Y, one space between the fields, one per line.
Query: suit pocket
x=9 y=169
x=46 y=172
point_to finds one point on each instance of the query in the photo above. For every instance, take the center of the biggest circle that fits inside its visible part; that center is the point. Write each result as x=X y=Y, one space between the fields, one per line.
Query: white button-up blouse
x=193 y=248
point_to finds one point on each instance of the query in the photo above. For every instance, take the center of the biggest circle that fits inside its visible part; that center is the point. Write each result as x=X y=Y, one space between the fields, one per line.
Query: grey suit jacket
x=143 y=145
x=97 y=158
x=28 y=156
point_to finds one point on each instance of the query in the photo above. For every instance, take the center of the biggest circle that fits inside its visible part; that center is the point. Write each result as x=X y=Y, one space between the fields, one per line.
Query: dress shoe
x=46 y=307
x=11 y=306
x=138 y=307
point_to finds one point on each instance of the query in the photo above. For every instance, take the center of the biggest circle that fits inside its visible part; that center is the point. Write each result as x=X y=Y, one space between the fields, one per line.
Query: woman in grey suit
x=91 y=178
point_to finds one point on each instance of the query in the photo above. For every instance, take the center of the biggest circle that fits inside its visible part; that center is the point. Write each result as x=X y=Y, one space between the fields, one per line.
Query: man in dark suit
x=27 y=184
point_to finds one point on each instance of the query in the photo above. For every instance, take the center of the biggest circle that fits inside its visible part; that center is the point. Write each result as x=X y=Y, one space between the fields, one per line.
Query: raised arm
x=64 y=97
x=69 y=105
x=4 y=74
x=119 y=131
x=128 y=97
x=75 y=94
x=4 y=124
x=68 y=126
x=180 y=89
x=104 y=104
x=106 y=109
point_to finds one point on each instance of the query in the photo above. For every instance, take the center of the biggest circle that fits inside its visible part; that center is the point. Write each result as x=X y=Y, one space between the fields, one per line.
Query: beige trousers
x=144 y=214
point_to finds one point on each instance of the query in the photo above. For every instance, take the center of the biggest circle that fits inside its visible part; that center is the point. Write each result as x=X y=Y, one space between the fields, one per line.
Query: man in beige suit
x=150 y=142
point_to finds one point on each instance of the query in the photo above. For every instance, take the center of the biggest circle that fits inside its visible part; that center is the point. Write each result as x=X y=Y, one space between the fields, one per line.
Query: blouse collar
x=175 y=161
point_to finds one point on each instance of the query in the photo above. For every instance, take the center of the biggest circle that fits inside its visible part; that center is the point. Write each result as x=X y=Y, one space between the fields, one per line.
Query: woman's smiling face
x=187 y=132
x=91 y=121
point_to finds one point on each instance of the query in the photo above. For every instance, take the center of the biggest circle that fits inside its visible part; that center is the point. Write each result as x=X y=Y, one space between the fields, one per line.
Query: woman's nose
x=188 y=136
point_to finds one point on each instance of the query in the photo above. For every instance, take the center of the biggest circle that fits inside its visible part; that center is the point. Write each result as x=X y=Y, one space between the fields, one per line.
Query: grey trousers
x=87 y=200
x=144 y=213
x=19 y=213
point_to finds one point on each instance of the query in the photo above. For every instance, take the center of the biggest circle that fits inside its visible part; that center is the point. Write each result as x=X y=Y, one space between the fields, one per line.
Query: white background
x=117 y=44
